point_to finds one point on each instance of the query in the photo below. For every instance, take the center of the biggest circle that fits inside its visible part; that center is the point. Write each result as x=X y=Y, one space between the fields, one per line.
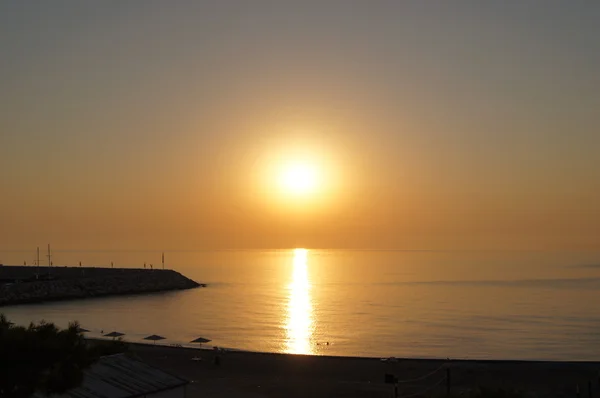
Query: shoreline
x=210 y=348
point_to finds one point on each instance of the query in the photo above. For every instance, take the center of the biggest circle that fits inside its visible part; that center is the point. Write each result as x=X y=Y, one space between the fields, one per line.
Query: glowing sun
x=299 y=178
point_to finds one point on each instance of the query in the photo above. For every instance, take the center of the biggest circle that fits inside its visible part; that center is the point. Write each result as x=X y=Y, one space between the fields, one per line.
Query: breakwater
x=21 y=284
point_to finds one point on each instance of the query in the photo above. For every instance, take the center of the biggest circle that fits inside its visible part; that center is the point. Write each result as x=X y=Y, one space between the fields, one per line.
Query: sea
x=525 y=305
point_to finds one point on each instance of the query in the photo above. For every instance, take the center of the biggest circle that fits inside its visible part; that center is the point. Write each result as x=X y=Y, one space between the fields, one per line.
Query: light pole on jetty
x=49 y=257
x=37 y=263
x=163 y=260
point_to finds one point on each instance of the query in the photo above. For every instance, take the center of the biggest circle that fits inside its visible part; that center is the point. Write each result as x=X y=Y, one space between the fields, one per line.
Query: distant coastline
x=31 y=284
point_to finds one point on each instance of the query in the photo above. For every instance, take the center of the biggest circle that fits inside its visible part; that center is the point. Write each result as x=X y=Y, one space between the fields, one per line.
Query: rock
x=71 y=283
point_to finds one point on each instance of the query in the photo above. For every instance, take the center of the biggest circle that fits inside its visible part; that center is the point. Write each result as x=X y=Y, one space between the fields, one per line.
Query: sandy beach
x=246 y=374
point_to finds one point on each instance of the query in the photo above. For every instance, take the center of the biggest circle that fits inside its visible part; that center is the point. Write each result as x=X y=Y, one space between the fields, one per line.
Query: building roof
x=119 y=376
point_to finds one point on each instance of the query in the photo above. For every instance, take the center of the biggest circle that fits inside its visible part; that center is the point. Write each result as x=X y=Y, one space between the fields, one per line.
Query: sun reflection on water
x=299 y=310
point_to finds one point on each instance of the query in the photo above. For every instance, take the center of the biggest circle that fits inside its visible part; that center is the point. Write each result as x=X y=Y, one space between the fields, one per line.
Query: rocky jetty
x=20 y=284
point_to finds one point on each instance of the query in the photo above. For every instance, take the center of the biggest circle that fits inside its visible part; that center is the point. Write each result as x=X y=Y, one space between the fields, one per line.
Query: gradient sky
x=441 y=124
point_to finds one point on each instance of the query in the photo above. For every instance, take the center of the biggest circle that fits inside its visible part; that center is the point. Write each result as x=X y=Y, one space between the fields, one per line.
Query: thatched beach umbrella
x=200 y=340
x=114 y=335
x=154 y=338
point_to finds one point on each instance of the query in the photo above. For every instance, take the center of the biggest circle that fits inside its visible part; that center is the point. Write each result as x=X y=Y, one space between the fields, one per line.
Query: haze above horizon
x=339 y=124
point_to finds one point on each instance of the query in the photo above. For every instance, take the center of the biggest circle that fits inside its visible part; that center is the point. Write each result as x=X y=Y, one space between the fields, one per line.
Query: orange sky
x=436 y=127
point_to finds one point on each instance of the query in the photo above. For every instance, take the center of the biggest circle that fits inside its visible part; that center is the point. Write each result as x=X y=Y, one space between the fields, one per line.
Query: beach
x=248 y=374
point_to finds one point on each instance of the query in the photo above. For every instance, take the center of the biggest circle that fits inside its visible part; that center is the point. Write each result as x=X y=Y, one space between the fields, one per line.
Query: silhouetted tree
x=41 y=358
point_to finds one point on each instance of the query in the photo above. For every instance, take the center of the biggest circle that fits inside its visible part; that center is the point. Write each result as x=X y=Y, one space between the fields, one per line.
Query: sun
x=299 y=178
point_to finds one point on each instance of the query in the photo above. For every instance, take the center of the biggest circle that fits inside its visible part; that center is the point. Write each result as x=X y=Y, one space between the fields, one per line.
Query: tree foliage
x=42 y=357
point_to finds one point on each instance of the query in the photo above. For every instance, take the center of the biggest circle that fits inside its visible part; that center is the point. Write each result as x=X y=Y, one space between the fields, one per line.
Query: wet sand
x=246 y=374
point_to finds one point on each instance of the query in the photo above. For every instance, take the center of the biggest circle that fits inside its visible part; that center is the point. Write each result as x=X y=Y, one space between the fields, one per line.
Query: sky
x=432 y=124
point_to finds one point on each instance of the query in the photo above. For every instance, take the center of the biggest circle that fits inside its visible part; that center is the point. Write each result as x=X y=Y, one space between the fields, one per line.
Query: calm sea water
x=501 y=305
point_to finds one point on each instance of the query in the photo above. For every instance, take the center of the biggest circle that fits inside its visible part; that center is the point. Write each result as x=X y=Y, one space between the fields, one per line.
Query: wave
x=562 y=283
x=593 y=282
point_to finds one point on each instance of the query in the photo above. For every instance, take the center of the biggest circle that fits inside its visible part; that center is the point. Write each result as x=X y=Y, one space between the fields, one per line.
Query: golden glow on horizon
x=299 y=314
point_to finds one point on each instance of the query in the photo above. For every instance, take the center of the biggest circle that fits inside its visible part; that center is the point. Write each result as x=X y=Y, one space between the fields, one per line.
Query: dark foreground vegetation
x=44 y=358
